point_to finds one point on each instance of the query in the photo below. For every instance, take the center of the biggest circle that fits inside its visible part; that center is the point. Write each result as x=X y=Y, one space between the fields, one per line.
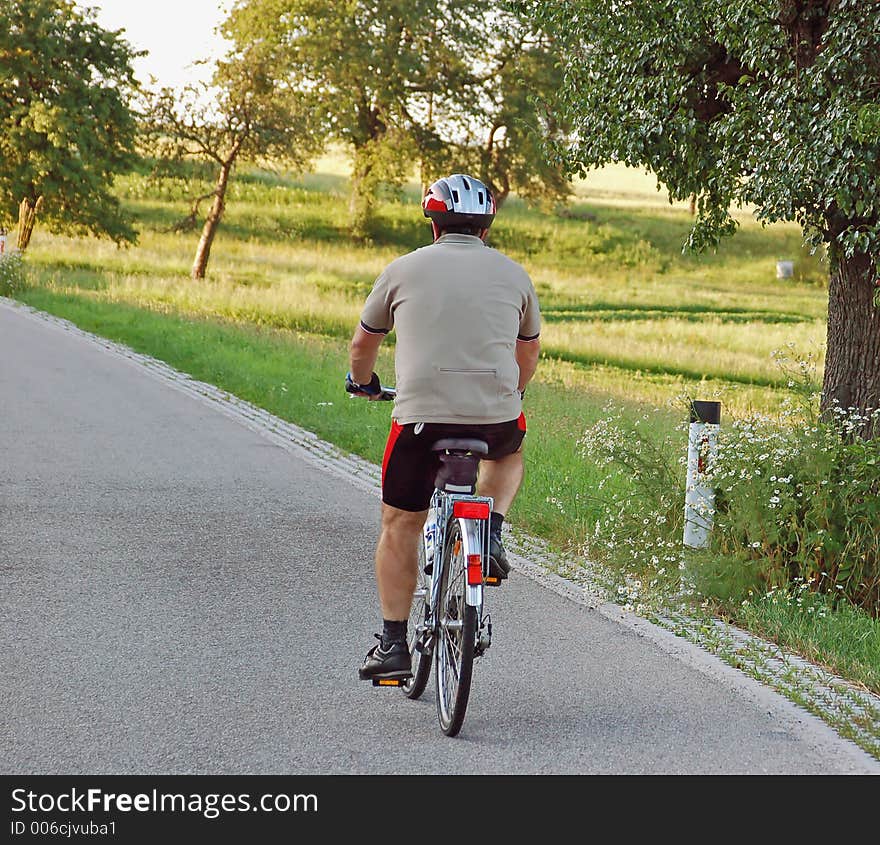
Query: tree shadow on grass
x=609 y=312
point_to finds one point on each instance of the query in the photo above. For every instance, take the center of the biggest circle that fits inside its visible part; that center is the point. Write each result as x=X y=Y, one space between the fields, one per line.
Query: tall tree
x=246 y=114
x=494 y=122
x=373 y=64
x=66 y=126
x=436 y=81
x=767 y=102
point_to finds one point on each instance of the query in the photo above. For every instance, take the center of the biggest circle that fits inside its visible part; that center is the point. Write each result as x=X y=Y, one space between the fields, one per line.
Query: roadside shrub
x=797 y=503
x=638 y=534
x=12 y=275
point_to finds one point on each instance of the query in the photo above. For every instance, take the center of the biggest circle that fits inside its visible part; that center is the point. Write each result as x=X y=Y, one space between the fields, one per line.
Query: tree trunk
x=27 y=218
x=363 y=186
x=852 y=362
x=501 y=192
x=212 y=221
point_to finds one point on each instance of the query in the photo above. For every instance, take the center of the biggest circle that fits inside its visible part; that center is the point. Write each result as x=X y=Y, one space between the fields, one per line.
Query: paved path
x=179 y=594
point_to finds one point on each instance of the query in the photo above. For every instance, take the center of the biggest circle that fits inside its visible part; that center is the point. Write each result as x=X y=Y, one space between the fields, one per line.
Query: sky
x=175 y=32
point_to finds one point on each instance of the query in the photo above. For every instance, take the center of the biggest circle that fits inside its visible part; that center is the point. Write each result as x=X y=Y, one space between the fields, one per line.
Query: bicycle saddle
x=459 y=458
x=462 y=444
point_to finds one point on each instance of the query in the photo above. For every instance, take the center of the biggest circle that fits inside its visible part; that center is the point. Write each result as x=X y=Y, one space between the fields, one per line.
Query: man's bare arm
x=363 y=352
x=527 y=354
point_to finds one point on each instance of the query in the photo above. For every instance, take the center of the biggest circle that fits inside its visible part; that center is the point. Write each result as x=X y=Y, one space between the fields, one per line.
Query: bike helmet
x=459 y=199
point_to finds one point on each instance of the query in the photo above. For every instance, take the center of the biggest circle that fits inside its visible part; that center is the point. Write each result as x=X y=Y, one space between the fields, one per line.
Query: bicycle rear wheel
x=457 y=624
x=421 y=663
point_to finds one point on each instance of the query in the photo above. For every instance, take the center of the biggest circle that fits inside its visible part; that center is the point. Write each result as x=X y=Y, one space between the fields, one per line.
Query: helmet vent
x=458 y=200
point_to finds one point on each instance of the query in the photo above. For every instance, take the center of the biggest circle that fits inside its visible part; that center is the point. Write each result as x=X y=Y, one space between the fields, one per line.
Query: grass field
x=627 y=317
x=628 y=320
x=635 y=317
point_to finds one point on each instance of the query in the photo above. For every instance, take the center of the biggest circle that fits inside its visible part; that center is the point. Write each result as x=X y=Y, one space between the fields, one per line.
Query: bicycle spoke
x=456 y=634
x=418 y=632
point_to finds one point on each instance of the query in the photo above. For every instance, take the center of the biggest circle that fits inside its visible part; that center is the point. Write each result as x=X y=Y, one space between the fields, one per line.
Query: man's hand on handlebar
x=371 y=390
x=374 y=390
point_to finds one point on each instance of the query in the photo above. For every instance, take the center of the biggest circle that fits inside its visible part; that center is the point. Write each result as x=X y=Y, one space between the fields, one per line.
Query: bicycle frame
x=475 y=536
x=475 y=542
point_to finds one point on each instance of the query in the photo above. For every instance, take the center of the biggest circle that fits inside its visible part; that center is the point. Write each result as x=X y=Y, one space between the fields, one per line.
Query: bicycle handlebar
x=388 y=394
x=375 y=390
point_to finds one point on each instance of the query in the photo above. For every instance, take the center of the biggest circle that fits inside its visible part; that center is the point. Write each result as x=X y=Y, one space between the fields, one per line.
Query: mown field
x=627 y=317
x=636 y=318
x=629 y=321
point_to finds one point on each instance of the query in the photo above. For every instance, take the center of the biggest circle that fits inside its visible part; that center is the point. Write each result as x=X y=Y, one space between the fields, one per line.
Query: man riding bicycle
x=467 y=322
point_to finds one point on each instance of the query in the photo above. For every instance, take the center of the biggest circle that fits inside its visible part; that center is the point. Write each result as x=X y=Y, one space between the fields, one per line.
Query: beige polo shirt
x=458 y=308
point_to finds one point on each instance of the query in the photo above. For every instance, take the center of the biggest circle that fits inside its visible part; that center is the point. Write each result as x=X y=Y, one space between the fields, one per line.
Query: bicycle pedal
x=492 y=581
x=391 y=682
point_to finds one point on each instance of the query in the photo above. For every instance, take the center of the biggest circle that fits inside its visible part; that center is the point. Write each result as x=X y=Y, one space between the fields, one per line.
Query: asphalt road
x=180 y=595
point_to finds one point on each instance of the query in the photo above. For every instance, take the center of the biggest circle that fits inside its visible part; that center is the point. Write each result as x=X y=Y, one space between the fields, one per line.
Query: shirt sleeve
x=530 y=322
x=377 y=315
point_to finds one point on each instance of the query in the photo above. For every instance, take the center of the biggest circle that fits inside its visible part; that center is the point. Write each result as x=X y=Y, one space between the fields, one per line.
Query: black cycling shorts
x=409 y=466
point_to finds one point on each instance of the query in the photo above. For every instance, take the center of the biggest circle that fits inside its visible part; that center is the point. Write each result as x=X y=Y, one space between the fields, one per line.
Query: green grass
x=841 y=638
x=297 y=376
x=628 y=319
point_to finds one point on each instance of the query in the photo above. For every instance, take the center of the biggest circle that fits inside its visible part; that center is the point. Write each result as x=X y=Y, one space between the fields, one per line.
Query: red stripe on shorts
x=521 y=422
x=396 y=428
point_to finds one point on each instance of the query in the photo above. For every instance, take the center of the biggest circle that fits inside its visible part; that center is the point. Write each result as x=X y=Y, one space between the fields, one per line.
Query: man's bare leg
x=396 y=575
x=397 y=556
x=501 y=480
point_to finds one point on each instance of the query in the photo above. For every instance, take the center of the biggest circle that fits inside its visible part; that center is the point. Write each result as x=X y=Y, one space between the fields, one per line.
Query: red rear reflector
x=474 y=570
x=471 y=510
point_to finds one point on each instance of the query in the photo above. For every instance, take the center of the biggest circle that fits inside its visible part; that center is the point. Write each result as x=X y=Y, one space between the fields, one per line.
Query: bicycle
x=448 y=624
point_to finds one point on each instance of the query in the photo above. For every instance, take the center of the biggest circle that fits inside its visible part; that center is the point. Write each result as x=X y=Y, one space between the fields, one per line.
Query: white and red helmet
x=459 y=199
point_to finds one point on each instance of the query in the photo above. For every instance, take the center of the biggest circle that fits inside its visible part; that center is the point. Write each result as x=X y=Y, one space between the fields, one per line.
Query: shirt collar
x=456 y=238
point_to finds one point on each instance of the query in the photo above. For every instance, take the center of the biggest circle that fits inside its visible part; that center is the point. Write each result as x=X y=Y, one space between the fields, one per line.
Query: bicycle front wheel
x=457 y=624
x=418 y=618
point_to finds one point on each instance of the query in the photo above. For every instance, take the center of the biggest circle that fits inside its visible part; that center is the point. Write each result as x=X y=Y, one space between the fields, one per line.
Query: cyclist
x=467 y=323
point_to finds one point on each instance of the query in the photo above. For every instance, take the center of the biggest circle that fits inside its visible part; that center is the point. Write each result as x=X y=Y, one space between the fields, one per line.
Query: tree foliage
x=245 y=114
x=408 y=81
x=66 y=126
x=767 y=102
x=493 y=123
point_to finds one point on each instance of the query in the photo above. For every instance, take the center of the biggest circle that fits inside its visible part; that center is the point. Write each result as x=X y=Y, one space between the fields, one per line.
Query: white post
x=784 y=269
x=699 y=503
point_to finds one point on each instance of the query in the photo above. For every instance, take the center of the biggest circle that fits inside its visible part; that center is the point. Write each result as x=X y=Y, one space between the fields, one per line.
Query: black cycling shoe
x=499 y=566
x=393 y=662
